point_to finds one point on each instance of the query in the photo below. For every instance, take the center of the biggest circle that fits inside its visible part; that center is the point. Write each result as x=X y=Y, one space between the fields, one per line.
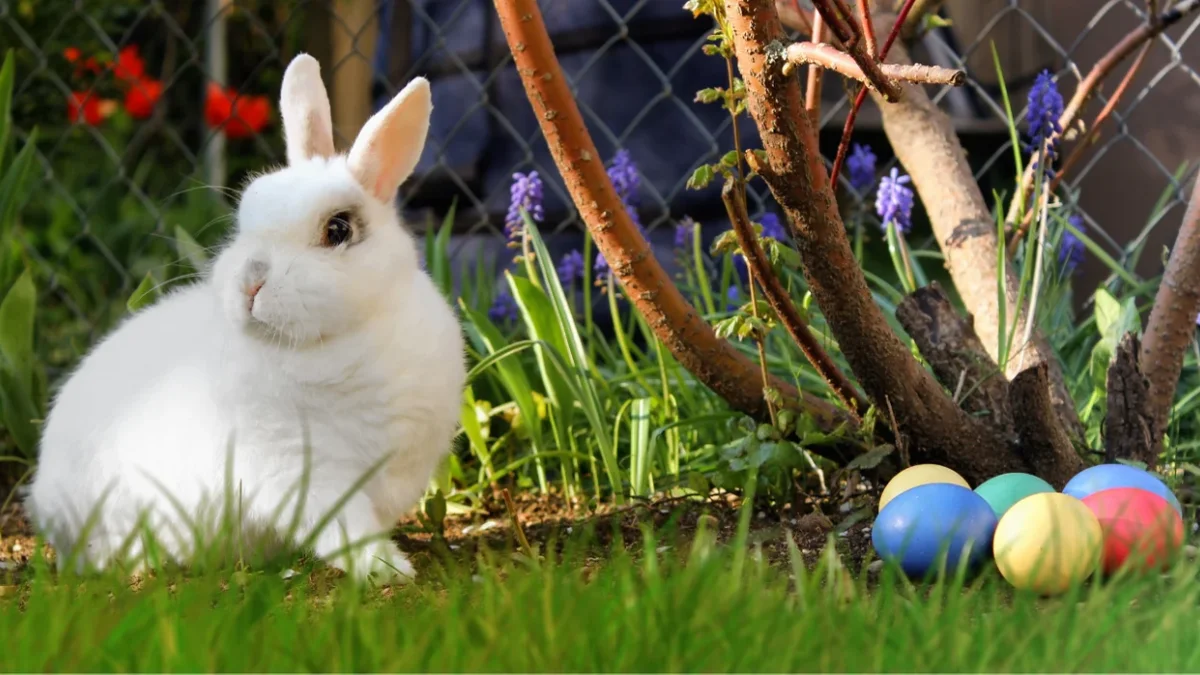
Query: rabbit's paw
x=381 y=562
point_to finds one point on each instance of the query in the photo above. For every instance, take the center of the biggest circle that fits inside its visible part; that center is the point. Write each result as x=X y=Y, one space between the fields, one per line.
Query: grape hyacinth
x=1070 y=249
x=527 y=191
x=732 y=298
x=771 y=227
x=504 y=307
x=625 y=179
x=1045 y=108
x=570 y=268
x=894 y=201
x=685 y=229
x=860 y=167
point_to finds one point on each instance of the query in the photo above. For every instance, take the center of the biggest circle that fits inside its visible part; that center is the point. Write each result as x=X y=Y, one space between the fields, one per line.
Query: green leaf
x=701 y=177
x=7 y=77
x=145 y=294
x=439 y=261
x=710 y=95
x=16 y=324
x=578 y=358
x=1108 y=314
x=19 y=412
x=196 y=256
x=14 y=188
x=871 y=458
x=1102 y=355
x=730 y=159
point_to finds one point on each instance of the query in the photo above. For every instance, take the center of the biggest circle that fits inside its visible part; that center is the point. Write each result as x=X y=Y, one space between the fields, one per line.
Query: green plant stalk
x=899 y=259
x=702 y=280
x=622 y=340
x=578 y=354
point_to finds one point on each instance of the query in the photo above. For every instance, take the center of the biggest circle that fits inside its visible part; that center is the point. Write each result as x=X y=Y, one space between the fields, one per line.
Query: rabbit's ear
x=307 y=125
x=390 y=143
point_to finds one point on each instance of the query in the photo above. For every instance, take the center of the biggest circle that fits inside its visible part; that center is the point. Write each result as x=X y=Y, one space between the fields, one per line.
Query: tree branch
x=781 y=302
x=1172 y=322
x=857 y=48
x=924 y=140
x=713 y=361
x=1041 y=440
x=1108 y=63
x=794 y=171
x=920 y=9
x=1129 y=427
x=960 y=361
x=827 y=56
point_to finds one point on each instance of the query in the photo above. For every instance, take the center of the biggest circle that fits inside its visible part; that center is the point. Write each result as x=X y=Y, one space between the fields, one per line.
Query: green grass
x=650 y=614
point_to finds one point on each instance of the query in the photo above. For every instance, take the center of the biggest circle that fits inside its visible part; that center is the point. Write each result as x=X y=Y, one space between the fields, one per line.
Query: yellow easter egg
x=919 y=474
x=1047 y=542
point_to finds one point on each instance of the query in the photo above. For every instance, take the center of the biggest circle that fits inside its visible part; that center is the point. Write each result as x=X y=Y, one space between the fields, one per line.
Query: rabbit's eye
x=337 y=229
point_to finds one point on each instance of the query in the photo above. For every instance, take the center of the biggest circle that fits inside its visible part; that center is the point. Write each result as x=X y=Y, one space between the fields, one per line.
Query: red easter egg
x=1138 y=525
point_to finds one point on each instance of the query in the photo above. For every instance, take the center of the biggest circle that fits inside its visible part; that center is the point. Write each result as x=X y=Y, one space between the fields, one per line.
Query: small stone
x=1190 y=551
x=875 y=567
x=287 y=574
x=708 y=522
x=845 y=507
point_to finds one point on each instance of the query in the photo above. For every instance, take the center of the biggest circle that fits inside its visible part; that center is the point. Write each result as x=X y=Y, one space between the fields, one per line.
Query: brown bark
x=828 y=56
x=924 y=140
x=1041 y=441
x=1129 y=431
x=1172 y=321
x=675 y=322
x=793 y=169
x=781 y=303
x=948 y=342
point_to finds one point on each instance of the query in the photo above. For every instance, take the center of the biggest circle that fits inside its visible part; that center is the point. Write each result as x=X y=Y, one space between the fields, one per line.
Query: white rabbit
x=314 y=337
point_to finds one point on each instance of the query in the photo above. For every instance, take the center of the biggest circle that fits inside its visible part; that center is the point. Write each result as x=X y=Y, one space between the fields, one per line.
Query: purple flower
x=684 y=231
x=732 y=301
x=526 y=191
x=570 y=268
x=1045 y=107
x=771 y=227
x=625 y=179
x=1070 y=249
x=860 y=167
x=894 y=201
x=504 y=307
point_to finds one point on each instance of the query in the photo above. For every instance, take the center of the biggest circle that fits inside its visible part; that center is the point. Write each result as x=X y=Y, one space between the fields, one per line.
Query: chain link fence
x=151 y=113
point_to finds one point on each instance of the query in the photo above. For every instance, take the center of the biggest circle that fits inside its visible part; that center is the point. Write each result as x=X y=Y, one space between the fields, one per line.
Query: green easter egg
x=1007 y=489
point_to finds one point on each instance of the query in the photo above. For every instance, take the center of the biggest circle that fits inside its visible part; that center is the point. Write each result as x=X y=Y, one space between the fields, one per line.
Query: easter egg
x=1007 y=489
x=918 y=474
x=927 y=522
x=1140 y=528
x=1105 y=476
x=1047 y=542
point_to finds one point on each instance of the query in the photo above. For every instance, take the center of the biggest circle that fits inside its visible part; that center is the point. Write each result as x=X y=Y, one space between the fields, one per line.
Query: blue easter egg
x=1106 y=476
x=921 y=524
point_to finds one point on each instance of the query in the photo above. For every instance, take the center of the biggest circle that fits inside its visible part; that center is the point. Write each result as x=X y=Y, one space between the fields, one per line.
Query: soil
x=556 y=528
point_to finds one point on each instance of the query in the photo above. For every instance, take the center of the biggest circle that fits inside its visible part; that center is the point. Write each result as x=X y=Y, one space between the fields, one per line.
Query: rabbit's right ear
x=307 y=125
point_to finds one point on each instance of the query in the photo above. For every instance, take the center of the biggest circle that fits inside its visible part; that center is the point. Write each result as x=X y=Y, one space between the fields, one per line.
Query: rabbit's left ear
x=304 y=104
x=390 y=143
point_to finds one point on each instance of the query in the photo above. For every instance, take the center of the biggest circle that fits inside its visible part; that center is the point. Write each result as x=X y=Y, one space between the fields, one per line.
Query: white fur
x=349 y=354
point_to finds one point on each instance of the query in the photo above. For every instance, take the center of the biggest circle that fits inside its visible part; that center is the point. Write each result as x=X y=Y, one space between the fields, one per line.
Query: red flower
x=142 y=96
x=72 y=54
x=85 y=104
x=238 y=116
x=129 y=67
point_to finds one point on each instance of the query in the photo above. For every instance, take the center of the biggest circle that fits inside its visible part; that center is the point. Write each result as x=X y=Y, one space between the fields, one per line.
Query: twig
x=1172 y=320
x=1108 y=63
x=848 y=129
x=520 y=531
x=838 y=21
x=792 y=167
x=812 y=90
x=865 y=60
x=1081 y=145
x=716 y=363
x=826 y=56
x=868 y=28
x=779 y=300
x=1042 y=442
